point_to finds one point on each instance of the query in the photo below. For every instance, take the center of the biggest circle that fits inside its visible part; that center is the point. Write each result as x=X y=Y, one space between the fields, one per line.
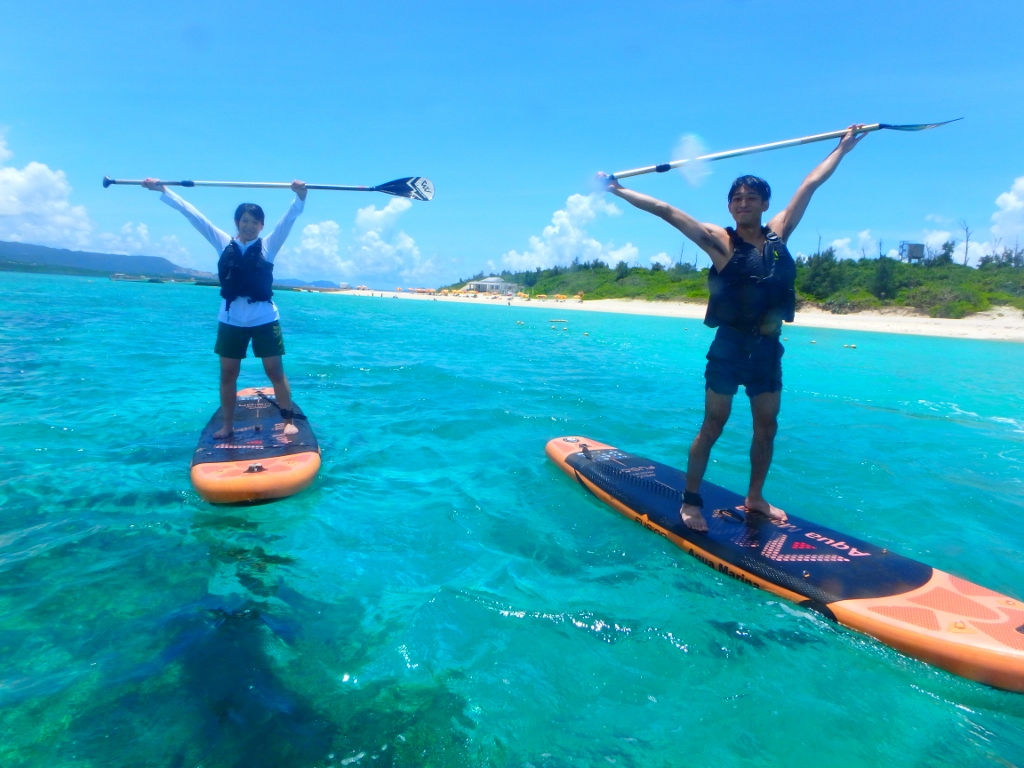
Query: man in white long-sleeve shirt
x=247 y=311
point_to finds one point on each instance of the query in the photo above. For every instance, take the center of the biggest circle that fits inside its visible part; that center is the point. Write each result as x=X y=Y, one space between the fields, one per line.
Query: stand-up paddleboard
x=918 y=610
x=258 y=460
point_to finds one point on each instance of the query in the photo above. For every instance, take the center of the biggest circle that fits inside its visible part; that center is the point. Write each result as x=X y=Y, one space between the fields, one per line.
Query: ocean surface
x=443 y=595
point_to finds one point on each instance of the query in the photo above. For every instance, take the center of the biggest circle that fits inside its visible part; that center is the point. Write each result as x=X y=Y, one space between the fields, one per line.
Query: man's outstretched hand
x=852 y=138
x=607 y=183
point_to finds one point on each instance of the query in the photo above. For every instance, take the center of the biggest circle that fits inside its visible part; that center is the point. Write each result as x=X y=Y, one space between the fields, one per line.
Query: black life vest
x=755 y=288
x=246 y=274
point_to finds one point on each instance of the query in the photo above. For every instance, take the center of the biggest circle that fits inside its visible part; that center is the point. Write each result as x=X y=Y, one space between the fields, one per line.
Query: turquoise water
x=443 y=595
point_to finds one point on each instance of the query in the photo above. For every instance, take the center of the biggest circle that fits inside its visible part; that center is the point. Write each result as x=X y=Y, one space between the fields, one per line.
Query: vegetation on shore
x=936 y=286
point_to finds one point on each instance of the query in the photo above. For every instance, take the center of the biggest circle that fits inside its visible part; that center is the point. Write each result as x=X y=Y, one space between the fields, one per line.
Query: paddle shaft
x=250 y=184
x=663 y=167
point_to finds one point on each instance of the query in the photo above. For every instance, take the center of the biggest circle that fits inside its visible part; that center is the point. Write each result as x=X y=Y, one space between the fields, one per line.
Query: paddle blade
x=415 y=187
x=695 y=169
x=921 y=127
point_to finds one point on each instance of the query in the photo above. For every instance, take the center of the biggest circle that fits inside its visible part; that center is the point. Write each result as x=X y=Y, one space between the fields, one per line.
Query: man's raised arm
x=711 y=239
x=784 y=222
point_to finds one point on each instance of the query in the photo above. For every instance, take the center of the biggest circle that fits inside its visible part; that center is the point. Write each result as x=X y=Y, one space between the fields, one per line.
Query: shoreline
x=997 y=324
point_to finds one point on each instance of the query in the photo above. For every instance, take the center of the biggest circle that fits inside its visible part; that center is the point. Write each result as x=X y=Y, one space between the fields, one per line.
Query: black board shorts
x=233 y=340
x=749 y=359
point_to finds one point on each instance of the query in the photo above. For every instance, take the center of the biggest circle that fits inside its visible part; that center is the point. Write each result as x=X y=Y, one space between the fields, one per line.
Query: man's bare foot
x=762 y=507
x=692 y=518
x=290 y=428
x=225 y=431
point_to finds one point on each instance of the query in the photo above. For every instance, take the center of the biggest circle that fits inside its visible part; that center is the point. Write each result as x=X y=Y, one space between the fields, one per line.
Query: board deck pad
x=258 y=460
x=917 y=609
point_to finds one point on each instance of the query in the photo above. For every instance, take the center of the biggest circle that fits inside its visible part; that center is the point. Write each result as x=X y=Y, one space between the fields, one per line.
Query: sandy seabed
x=999 y=324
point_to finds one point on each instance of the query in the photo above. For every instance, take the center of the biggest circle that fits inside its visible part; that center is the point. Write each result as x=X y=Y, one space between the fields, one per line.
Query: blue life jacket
x=755 y=288
x=246 y=274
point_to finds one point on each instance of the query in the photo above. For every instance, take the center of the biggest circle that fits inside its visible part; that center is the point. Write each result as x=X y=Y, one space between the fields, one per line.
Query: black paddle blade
x=922 y=127
x=416 y=187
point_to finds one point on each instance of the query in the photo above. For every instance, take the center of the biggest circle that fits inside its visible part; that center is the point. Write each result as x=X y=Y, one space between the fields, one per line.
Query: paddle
x=662 y=168
x=415 y=187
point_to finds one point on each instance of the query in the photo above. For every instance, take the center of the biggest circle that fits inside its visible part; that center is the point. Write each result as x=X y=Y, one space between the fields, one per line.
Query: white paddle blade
x=690 y=149
x=424 y=188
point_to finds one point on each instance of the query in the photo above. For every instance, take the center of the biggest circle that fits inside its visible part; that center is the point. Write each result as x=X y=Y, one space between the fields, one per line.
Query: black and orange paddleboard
x=258 y=461
x=919 y=610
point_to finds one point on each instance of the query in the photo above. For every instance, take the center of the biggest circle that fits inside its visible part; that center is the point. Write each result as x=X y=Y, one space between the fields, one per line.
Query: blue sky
x=510 y=109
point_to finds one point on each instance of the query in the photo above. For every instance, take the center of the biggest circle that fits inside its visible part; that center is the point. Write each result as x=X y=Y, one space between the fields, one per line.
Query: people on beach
x=247 y=311
x=751 y=284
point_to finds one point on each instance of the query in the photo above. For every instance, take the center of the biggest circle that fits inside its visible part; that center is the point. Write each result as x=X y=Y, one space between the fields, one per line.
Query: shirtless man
x=247 y=312
x=751 y=282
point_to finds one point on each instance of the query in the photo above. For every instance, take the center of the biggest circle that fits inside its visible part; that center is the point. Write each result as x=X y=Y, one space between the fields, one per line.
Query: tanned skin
x=747 y=209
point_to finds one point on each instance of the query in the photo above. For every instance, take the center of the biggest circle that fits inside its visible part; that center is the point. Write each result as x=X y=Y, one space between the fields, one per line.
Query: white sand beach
x=998 y=324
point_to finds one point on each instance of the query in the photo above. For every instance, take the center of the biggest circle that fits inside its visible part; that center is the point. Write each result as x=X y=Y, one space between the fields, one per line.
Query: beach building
x=492 y=285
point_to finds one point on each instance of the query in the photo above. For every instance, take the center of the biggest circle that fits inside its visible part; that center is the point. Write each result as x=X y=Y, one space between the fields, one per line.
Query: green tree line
x=935 y=285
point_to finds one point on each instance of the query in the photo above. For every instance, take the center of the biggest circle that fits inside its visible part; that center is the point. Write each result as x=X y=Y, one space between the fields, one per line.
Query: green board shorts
x=233 y=340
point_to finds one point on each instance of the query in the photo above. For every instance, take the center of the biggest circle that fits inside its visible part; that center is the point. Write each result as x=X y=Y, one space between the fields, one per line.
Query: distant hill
x=25 y=257
x=304 y=283
x=42 y=256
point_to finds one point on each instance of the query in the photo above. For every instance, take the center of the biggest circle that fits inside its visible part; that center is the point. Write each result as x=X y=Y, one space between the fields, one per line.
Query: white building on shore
x=492 y=285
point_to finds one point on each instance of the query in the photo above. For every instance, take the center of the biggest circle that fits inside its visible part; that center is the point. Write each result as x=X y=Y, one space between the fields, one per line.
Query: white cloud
x=375 y=251
x=370 y=218
x=628 y=253
x=565 y=238
x=934 y=239
x=974 y=252
x=318 y=255
x=866 y=246
x=34 y=206
x=1008 y=221
x=1007 y=228
x=662 y=258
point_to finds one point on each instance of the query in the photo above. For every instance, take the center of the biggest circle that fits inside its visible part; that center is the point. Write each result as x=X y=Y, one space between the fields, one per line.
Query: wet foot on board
x=223 y=432
x=692 y=518
x=762 y=507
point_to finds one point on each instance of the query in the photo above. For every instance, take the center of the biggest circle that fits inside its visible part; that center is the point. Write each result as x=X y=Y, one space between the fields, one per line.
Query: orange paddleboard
x=258 y=461
x=918 y=610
